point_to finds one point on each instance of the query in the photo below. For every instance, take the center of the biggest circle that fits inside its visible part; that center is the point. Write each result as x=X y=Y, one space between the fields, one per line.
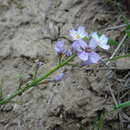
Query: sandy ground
x=29 y=30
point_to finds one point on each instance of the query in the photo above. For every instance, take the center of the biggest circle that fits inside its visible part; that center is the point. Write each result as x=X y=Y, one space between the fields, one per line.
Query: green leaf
x=127 y=30
x=112 y=42
x=122 y=105
x=99 y=122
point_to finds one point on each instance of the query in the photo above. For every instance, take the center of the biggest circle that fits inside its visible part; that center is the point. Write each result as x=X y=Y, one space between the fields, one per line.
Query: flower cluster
x=84 y=45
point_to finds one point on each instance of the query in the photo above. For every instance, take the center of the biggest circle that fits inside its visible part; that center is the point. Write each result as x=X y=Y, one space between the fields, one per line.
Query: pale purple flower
x=59 y=47
x=78 y=34
x=68 y=52
x=101 y=41
x=86 y=52
x=59 y=77
x=39 y=64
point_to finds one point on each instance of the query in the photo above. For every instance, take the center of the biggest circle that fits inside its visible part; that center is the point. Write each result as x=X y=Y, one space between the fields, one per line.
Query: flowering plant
x=83 y=46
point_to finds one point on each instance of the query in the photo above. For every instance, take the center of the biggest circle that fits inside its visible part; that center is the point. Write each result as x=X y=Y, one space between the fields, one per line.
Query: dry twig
x=118 y=47
x=116 y=27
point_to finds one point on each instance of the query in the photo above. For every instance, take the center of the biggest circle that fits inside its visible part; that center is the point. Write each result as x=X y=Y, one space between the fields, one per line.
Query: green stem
x=35 y=82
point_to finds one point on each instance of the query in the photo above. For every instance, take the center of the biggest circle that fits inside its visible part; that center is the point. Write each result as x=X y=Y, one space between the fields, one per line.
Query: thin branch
x=113 y=96
x=116 y=27
x=118 y=47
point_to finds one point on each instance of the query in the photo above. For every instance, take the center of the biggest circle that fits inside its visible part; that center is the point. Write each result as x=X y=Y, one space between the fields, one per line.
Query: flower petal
x=94 y=57
x=76 y=46
x=83 y=56
x=95 y=36
x=81 y=29
x=104 y=39
x=59 y=47
x=82 y=43
x=73 y=34
x=82 y=32
x=88 y=62
x=104 y=46
x=93 y=43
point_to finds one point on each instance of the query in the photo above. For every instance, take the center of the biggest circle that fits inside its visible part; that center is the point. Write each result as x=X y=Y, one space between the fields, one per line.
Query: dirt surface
x=29 y=30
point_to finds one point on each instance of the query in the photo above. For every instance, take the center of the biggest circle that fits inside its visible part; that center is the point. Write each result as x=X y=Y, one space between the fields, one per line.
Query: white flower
x=101 y=40
x=79 y=33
